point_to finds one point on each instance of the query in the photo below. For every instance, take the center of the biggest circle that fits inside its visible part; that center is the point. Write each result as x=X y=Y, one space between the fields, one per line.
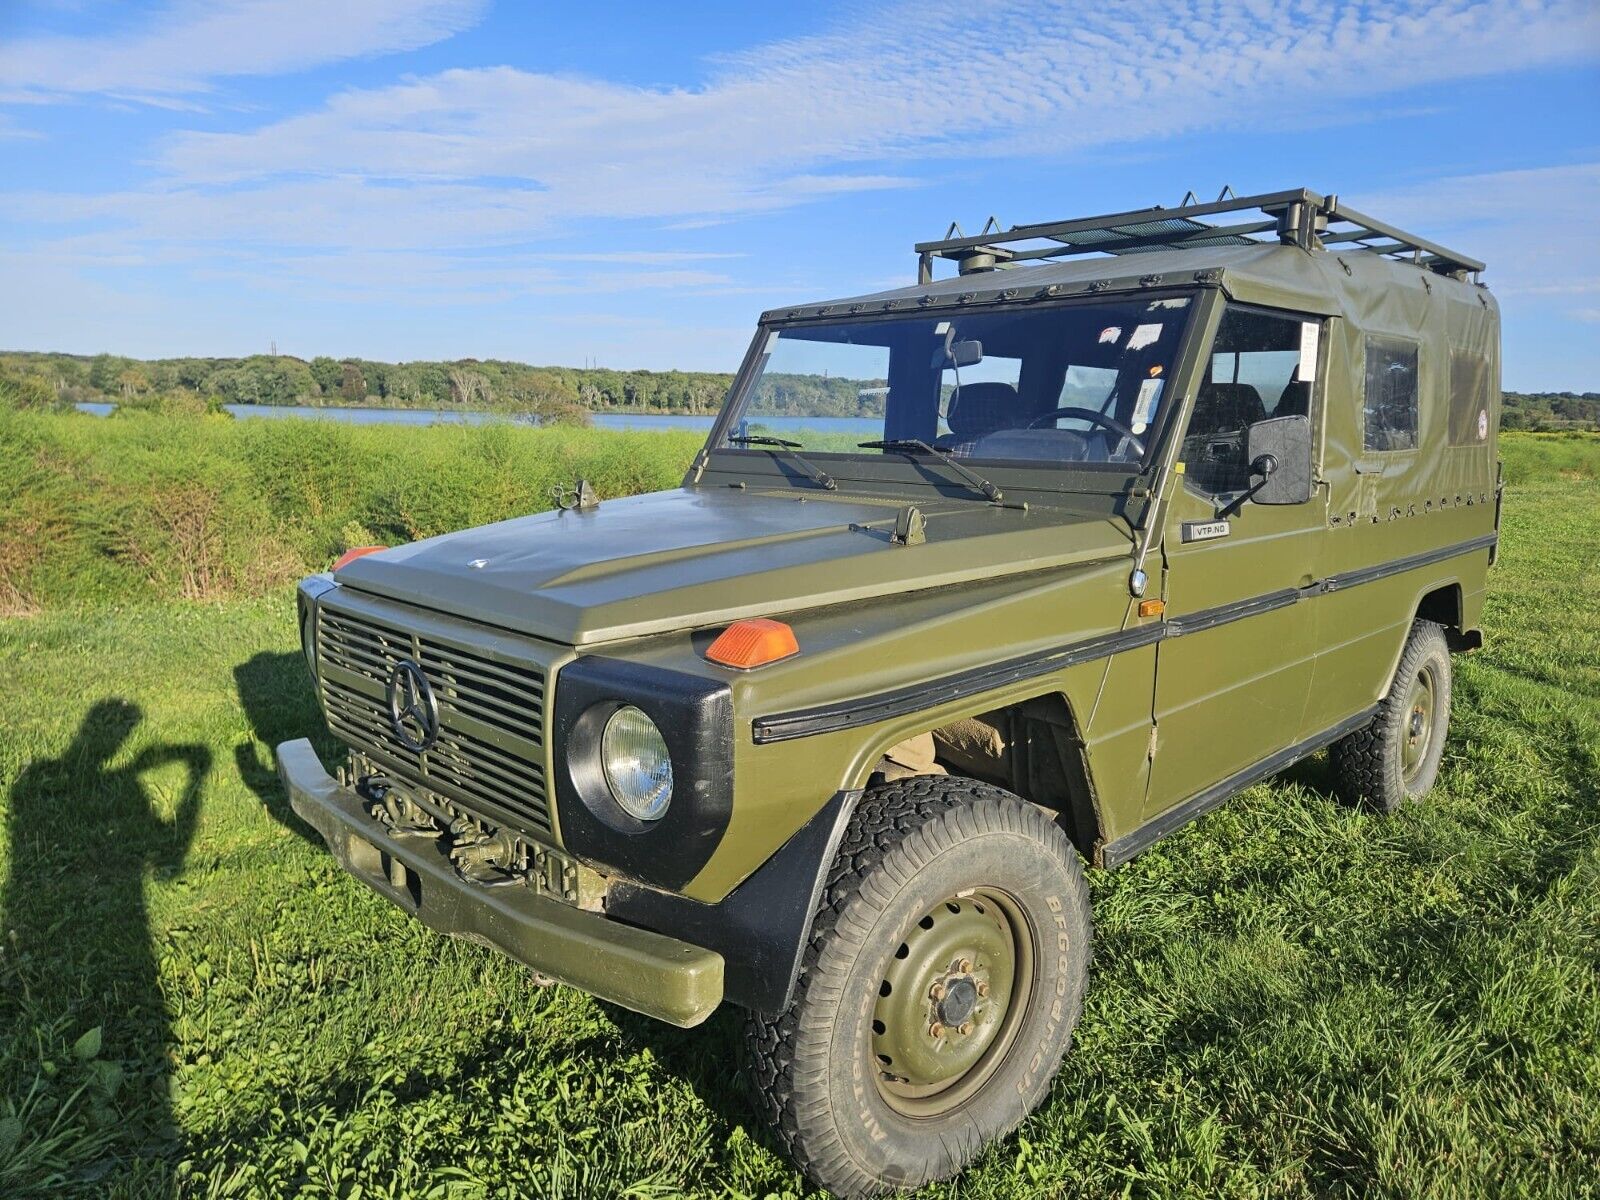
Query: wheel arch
x=1051 y=767
x=1444 y=604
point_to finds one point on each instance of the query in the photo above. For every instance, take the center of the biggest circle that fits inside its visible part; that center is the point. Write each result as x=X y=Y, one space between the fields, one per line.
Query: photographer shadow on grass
x=278 y=699
x=83 y=835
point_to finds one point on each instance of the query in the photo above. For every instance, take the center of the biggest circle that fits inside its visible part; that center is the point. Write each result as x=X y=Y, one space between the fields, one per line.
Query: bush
x=154 y=506
x=29 y=391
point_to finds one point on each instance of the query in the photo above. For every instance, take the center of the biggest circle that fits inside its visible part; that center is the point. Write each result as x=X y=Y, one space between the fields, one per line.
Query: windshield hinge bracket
x=910 y=528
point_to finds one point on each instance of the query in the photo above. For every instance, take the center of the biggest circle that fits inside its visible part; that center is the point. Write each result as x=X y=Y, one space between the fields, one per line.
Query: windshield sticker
x=1110 y=334
x=1149 y=396
x=1310 y=333
x=1145 y=335
x=772 y=340
x=1483 y=423
x=1155 y=305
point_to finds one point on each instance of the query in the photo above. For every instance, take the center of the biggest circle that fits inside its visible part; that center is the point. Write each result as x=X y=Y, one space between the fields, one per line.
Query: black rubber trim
x=1335 y=583
x=848 y=714
x=1225 y=614
x=760 y=927
x=1114 y=854
x=695 y=716
x=869 y=710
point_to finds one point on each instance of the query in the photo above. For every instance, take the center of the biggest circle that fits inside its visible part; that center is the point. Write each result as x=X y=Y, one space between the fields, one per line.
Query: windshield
x=1064 y=384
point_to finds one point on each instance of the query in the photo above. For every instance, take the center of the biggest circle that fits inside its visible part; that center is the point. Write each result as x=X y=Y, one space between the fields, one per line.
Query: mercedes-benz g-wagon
x=974 y=582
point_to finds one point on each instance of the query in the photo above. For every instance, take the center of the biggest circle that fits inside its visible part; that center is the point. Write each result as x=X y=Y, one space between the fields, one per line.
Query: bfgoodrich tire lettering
x=1395 y=757
x=919 y=852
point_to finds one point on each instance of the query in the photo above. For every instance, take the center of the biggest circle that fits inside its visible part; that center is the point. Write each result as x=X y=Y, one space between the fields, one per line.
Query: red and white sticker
x=1483 y=423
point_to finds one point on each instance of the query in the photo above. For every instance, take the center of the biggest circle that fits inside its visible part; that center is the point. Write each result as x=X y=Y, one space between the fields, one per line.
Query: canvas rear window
x=1469 y=399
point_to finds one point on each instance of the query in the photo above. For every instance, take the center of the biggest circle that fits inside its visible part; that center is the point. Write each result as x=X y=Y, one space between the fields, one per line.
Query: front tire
x=1395 y=757
x=939 y=991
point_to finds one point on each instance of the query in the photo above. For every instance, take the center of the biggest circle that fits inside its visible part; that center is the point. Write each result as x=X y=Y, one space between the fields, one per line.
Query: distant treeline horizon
x=554 y=394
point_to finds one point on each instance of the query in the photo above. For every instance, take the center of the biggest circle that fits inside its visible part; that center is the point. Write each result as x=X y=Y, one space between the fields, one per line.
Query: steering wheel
x=1088 y=414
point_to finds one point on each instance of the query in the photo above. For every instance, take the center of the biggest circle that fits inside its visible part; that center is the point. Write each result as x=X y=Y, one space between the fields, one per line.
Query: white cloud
x=192 y=43
x=1534 y=228
x=514 y=152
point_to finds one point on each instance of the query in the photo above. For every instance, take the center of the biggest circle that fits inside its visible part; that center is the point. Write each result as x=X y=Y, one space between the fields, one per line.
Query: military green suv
x=975 y=583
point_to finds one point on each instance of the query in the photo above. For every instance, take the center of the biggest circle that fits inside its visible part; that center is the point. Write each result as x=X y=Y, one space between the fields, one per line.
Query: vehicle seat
x=1222 y=407
x=978 y=409
x=1295 y=401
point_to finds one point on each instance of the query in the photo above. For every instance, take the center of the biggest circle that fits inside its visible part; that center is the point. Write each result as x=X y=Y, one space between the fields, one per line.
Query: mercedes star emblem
x=413 y=711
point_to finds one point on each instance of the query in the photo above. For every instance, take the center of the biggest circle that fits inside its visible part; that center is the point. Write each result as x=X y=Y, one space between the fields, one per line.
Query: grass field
x=1288 y=998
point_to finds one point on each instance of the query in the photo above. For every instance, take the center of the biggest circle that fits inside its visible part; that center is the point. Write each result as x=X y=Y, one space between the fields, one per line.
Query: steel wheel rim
x=951 y=1001
x=1417 y=732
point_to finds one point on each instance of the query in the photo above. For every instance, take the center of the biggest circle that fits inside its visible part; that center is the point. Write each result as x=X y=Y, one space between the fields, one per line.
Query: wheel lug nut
x=936 y=991
x=966 y=966
x=983 y=987
x=936 y=1030
x=966 y=1027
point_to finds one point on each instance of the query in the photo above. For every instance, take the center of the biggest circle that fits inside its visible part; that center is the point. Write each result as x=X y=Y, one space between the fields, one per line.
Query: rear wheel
x=939 y=992
x=1395 y=757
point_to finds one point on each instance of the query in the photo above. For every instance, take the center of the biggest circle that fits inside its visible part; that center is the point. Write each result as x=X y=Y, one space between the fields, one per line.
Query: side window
x=1262 y=365
x=1391 y=397
x=1469 y=399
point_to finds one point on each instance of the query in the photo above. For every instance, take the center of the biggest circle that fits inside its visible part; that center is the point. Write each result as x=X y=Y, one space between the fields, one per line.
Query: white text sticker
x=1144 y=335
x=1310 y=333
x=1149 y=395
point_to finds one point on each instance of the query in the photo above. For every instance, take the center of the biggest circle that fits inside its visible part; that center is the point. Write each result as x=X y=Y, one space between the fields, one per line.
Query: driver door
x=1234 y=671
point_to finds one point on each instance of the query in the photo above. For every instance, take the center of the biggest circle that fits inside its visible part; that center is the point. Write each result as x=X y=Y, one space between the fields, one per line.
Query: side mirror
x=1279 y=450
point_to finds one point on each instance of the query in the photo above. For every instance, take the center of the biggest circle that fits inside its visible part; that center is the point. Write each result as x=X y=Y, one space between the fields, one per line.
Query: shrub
x=153 y=505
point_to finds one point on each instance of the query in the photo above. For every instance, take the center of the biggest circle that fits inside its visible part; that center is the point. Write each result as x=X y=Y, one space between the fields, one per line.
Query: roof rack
x=1295 y=218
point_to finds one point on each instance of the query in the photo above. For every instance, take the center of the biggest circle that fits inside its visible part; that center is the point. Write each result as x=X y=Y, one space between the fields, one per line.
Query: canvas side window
x=1391 y=396
x=1469 y=399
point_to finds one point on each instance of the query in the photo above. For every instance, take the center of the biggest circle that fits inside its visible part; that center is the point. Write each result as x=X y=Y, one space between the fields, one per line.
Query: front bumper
x=647 y=972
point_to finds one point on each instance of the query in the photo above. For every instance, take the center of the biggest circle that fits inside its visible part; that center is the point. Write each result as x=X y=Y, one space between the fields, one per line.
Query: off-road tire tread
x=1360 y=759
x=886 y=817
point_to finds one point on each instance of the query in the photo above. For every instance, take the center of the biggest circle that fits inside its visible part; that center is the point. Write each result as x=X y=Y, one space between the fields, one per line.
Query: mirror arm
x=1264 y=467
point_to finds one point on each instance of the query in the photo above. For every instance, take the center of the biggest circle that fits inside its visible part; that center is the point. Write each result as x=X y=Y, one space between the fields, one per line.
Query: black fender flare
x=761 y=927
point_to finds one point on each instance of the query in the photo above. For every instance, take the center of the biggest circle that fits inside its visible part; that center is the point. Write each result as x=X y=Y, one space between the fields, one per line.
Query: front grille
x=489 y=754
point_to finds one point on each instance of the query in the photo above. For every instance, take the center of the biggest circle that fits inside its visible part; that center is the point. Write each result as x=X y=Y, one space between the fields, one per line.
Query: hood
x=697 y=557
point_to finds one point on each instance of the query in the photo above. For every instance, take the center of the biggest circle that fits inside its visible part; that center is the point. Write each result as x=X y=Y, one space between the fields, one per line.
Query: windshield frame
x=879 y=467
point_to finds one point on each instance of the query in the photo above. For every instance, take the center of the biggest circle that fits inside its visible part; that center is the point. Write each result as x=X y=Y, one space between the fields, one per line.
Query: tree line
x=553 y=395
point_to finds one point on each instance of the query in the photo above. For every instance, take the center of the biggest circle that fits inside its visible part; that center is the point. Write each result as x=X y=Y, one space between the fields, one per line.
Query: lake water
x=431 y=416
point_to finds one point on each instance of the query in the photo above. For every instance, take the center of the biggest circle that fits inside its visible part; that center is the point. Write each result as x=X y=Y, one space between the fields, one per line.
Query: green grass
x=1288 y=998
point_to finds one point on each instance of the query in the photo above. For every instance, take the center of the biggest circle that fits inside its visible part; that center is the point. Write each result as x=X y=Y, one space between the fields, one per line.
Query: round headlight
x=637 y=766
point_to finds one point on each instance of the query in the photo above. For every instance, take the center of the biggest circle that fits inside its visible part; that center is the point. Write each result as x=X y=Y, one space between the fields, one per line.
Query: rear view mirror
x=1279 y=452
x=959 y=354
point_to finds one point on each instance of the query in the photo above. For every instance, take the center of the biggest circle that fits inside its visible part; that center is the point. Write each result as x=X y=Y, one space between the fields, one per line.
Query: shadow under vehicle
x=973 y=583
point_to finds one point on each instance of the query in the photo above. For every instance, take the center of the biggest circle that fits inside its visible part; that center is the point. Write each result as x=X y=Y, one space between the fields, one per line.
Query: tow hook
x=392 y=808
x=487 y=859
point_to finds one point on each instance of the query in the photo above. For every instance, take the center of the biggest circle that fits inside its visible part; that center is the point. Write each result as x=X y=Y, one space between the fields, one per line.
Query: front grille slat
x=489 y=754
x=475 y=699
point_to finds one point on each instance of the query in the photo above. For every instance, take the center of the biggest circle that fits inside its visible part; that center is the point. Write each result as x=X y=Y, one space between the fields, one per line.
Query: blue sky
x=632 y=183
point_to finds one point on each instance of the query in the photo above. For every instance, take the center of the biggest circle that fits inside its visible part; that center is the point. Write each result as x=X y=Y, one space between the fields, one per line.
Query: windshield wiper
x=905 y=445
x=793 y=448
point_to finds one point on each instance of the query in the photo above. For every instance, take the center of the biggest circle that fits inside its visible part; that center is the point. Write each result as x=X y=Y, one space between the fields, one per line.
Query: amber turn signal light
x=355 y=552
x=753 y=643
x=1152 y=608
